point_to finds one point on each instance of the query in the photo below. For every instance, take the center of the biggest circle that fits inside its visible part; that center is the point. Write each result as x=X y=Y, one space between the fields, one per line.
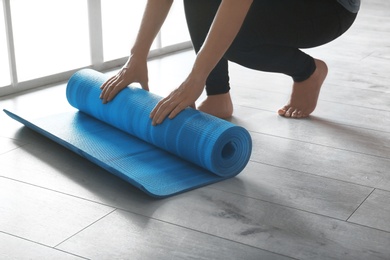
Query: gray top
x=351 y=5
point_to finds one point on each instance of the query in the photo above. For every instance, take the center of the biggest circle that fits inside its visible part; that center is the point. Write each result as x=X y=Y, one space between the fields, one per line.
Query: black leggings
x=271 y=36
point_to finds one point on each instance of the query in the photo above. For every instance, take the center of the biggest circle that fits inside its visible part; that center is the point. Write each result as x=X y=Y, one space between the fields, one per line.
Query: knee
x=233 y=53
x=237 y=55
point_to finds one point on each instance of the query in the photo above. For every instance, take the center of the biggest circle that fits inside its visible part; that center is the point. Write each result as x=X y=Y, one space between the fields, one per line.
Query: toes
x=292 y=112
x=297 y=113
x=282 y=111
x=289 y=112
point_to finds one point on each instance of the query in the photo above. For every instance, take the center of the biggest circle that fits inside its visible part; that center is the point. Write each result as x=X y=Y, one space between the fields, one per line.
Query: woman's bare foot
x=218 y=105
x=305 y=94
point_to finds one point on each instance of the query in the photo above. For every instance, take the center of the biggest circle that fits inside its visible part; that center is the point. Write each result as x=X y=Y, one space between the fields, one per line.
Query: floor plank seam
x=59 y=192
x=365 y=199
x=81 y=230
x=314 y=116
x=257 y=108
x=13 y=149
x=379 y=189
x=40 y=244
x=352 y=105
x=367 y=55
x=313 y=174
x=369 y=227
x=322 y=145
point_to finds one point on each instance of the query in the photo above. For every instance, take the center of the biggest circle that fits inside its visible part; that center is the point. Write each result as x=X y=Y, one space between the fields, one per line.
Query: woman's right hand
x=135 y=70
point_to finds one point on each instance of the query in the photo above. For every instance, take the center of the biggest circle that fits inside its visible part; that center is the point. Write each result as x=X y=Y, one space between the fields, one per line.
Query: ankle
x=218 y=105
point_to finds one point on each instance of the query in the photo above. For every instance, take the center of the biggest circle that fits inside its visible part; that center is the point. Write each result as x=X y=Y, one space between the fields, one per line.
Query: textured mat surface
x=190 y=151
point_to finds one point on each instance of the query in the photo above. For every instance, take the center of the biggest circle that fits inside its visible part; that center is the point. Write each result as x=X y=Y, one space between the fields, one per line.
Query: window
x=5 y=78
x=121 y=20
x=175 y=29
x=49 y=36
x=45 y=41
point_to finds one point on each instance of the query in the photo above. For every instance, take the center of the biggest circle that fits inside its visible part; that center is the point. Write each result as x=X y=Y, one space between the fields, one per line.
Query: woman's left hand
x=179 y=99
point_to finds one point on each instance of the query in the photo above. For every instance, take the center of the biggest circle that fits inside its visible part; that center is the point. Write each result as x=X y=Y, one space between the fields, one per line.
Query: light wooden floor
x=317 y=188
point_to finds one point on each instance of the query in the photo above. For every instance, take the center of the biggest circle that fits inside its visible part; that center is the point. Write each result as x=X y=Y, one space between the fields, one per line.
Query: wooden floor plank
x=137 y=237
x=315 y=130
x=297 y=190
x=375 y=212
x=329 y=162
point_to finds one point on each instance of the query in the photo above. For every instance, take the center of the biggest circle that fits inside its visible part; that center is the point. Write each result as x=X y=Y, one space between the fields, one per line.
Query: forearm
x=227 y=23
x=153 y=18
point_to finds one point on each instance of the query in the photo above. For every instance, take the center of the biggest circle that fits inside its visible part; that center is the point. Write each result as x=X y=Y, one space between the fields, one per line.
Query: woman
x=264 y=35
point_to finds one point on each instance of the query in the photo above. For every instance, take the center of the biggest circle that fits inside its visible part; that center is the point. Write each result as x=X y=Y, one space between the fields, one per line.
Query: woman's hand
x=227 y=23
x=135 y=70
x=179 y=99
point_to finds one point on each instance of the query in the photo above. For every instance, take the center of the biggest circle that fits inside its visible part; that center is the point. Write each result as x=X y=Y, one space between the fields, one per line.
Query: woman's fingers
x=179 y=99
x=122 y=79
x=170 y=107
x=160 y=111
x=105 y=88
x=145 y=85
x=165 y=110
x=113 y=86
x=135 y=70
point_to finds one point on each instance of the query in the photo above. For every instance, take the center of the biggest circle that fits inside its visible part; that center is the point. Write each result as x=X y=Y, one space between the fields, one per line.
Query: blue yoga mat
x=192 y=150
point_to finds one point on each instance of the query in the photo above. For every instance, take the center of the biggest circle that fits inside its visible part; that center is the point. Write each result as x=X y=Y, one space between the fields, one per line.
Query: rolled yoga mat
x=192 y=150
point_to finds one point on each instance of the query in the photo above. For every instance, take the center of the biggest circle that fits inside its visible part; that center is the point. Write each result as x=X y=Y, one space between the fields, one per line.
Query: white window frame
x=96 y=52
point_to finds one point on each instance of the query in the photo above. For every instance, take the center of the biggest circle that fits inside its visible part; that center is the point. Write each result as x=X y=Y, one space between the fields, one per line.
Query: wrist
x=197 y=78
x=135 y=58
x=139 y=52
x=200 y=72
x=204 y=63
